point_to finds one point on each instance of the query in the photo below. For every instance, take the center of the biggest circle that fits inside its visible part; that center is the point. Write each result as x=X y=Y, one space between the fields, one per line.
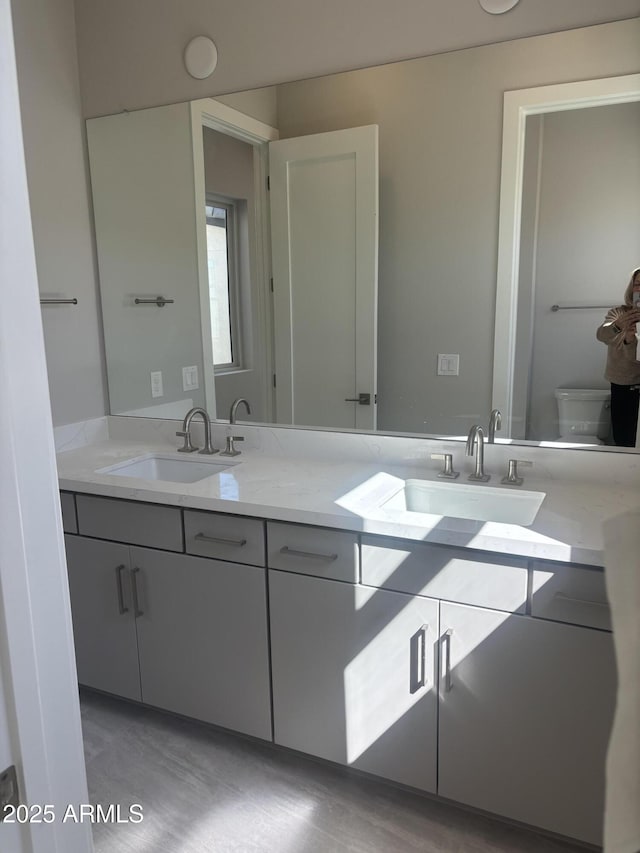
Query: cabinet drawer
x=224 y=537
x=127 y=521
x=440 y=571
x=68 y=505
x=574 y=594
x=313 y=551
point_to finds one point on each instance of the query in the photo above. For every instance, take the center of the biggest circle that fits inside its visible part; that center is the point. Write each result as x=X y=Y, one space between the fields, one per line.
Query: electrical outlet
x=448 y=364
x=190 y=378
x=156 y=384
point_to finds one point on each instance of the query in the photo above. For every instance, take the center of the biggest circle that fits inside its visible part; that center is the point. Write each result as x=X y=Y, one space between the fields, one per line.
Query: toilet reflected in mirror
x=584 y=415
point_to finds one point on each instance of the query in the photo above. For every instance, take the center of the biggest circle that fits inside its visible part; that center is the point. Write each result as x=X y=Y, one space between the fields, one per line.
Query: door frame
x=519 y=104
x=37 y=661
x=207 y=112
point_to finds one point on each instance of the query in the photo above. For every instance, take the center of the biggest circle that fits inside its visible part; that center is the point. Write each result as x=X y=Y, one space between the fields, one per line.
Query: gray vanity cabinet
x=525 y=714
x=446 y=669
x=104 y=625
x=353 y=675
x=184 y=633
x=202 y=639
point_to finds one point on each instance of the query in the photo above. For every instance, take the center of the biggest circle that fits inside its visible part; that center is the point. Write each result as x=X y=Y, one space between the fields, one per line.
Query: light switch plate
x=156 y=384
x=448 y=364
x=190 y=378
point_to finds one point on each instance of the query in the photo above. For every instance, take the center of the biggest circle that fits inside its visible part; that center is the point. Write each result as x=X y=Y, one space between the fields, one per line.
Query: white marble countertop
x=339 y=493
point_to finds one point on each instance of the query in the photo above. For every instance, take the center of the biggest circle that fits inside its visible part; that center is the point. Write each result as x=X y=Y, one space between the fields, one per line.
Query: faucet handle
x=187 y=447
x=512 y=478
x=447 y=472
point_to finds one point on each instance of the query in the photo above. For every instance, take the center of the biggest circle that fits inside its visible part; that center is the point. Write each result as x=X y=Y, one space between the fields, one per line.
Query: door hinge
x=271 y=284
x=268 y=182
x=274 y=380
x=9 y=794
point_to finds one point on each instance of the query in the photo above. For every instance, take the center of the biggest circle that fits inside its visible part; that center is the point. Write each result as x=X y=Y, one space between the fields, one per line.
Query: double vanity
x=330 y=593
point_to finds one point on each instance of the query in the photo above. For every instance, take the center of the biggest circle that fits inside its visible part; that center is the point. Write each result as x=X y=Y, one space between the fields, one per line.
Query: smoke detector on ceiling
x=497 y=7
x=201 y=57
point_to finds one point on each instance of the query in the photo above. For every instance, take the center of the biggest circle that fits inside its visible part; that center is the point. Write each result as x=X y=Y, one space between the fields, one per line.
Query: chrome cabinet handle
x=236 y=543
x=122 y=608
x=421 y=658
x=446 y=641
x=309 y=554
x=562 y=597
x=134 y=589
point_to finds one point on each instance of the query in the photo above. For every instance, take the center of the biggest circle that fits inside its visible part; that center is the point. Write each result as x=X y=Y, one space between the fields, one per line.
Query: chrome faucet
x=234 y=409
x=476 y=437
x=495 y=423
x=186 y=432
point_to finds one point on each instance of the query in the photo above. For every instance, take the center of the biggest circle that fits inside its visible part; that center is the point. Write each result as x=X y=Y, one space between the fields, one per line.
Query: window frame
x=233 y=280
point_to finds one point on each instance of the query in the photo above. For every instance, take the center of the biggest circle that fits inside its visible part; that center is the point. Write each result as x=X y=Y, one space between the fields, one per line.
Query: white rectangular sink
x=468 y=500
x=166 y=467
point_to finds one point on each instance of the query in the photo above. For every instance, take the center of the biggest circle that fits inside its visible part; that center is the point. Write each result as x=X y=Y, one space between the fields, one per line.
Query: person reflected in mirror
x=618 y=332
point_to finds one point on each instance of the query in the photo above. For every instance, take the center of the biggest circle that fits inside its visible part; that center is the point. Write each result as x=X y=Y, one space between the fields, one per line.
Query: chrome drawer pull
x=309 y=554
x=134 y=589
x=446 y=640
x=218 y=540
x=122 y=608
x=562 y=597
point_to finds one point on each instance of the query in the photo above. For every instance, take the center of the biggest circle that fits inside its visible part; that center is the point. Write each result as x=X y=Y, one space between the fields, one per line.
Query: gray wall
x=440 y=122
x=588 y=241
x=53 y=127
x=142 y=174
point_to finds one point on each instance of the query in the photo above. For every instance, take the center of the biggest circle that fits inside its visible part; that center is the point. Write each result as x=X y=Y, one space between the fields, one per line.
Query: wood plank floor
x=206 y=791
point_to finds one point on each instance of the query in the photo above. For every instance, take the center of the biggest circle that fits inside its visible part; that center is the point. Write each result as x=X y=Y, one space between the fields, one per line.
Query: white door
x=324 y=228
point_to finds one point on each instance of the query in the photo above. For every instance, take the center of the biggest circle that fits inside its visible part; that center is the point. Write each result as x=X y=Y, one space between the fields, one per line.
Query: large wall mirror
x=339 y=251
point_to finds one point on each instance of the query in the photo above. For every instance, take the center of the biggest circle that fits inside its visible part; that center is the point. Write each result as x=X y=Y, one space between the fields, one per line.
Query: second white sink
x=461 y=500
x=164 y=466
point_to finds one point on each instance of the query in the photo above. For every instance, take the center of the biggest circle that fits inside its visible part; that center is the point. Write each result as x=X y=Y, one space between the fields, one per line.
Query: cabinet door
x=353 y=674
x=202 y=638
x=104 y=625
x=525 y=717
